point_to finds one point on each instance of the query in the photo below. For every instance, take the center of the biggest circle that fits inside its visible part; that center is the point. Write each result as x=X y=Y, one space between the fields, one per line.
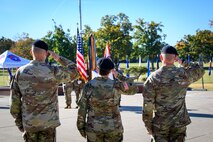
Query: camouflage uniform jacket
x=78 y=84
x=34 y=94
x=99 y=103
x=68 y=84
x=164 y=95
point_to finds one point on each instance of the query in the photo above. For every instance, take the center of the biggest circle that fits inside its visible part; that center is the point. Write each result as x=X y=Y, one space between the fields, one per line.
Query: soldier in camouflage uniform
x=67 y=89
x=34 y=94
x=99 y=118
x=120 y=72
x=77 y=86
x=164 y=108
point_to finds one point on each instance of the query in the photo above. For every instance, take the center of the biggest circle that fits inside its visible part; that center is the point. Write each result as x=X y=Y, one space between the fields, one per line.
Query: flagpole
x=79 y=2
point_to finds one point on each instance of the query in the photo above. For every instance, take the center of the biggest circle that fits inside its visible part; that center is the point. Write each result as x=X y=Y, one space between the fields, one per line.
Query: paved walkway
x=199 y=104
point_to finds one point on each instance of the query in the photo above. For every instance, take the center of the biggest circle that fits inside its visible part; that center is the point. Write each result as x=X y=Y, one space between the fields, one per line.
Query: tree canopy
x=148 y=39
x=61 y=42
x=23 y=46
x=143 y=39
x=115 y=30
x=5 y=44
x=194 y=45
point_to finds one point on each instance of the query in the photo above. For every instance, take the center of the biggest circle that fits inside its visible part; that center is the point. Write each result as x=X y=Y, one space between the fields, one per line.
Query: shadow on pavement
x=201 y=115
x=136 y=109
x=192 y=110
x=3 y=107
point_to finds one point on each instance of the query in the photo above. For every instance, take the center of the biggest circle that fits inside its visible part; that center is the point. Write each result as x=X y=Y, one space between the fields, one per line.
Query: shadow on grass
x=136 y=109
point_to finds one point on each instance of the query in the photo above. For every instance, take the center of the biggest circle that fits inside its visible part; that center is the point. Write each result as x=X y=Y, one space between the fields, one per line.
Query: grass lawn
x=208 y=80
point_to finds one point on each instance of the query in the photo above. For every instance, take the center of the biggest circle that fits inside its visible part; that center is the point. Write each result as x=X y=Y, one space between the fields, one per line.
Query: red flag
x=80 y=57
x=108 y=55
x=107 y=51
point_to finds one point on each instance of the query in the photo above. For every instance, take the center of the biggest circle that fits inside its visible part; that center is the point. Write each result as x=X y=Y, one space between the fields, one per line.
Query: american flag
x=80 y=57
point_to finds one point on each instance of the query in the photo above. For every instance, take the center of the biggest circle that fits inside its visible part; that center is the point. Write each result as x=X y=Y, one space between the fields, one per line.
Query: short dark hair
x=105 y=64
x=103 y=72
x=40 y=44
x=169 y=50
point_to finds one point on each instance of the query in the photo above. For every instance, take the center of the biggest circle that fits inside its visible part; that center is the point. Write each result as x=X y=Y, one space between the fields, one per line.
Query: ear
x=47 y=53
x=161 y=57
x=176 y=58
x=31 y=53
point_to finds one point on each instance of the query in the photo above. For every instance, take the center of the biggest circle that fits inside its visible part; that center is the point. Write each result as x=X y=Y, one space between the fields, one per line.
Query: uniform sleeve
x=15 y=102
x=148 y=104
x=68 y=71
x=193 y=71
x=123 y=82
x=82 y=111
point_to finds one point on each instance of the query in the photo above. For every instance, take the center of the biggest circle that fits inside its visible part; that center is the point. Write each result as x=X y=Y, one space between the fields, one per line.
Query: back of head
x=168 y=54
x=39 y=44
x=105 y=65
x=39 y=50
x=169 y=50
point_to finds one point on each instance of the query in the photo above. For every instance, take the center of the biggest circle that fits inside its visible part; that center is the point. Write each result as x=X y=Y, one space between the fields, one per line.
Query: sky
x=179 y=17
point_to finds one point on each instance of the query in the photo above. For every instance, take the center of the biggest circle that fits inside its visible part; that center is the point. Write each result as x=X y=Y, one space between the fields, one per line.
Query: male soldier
x=78 y=84
x=164 y=108
x=99 y=116
x=67 y=89
x=34 y=94
x=120 y=72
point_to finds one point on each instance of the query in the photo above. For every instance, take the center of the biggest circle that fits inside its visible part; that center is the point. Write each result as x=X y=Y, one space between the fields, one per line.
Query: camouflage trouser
x=67 y=94
x=171 y=134
x=119 y=103
x=104 y=137
x=48 y=135
x=77 y=92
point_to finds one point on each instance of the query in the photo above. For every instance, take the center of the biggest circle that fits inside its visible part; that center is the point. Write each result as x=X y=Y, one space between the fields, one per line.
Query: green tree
x=61 y=42
x=182 y=48
x=115 y=30
x=148 y=39
x=200 y=43
x=5 y=44
x=23 y=46
x=86 y=34
x=136 y=71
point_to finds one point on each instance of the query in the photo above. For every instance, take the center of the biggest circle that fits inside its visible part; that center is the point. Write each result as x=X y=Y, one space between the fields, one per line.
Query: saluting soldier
x=164 y=108
x=67 y=89
x=120 y=72
x=99 y=118
x=78 y=84
x=34 y=94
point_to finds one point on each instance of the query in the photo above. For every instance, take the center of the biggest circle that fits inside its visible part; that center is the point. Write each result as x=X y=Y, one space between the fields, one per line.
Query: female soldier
x=100 y=104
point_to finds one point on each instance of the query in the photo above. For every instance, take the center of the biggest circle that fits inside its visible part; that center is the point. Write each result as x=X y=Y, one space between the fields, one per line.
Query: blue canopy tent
x=10 y=60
